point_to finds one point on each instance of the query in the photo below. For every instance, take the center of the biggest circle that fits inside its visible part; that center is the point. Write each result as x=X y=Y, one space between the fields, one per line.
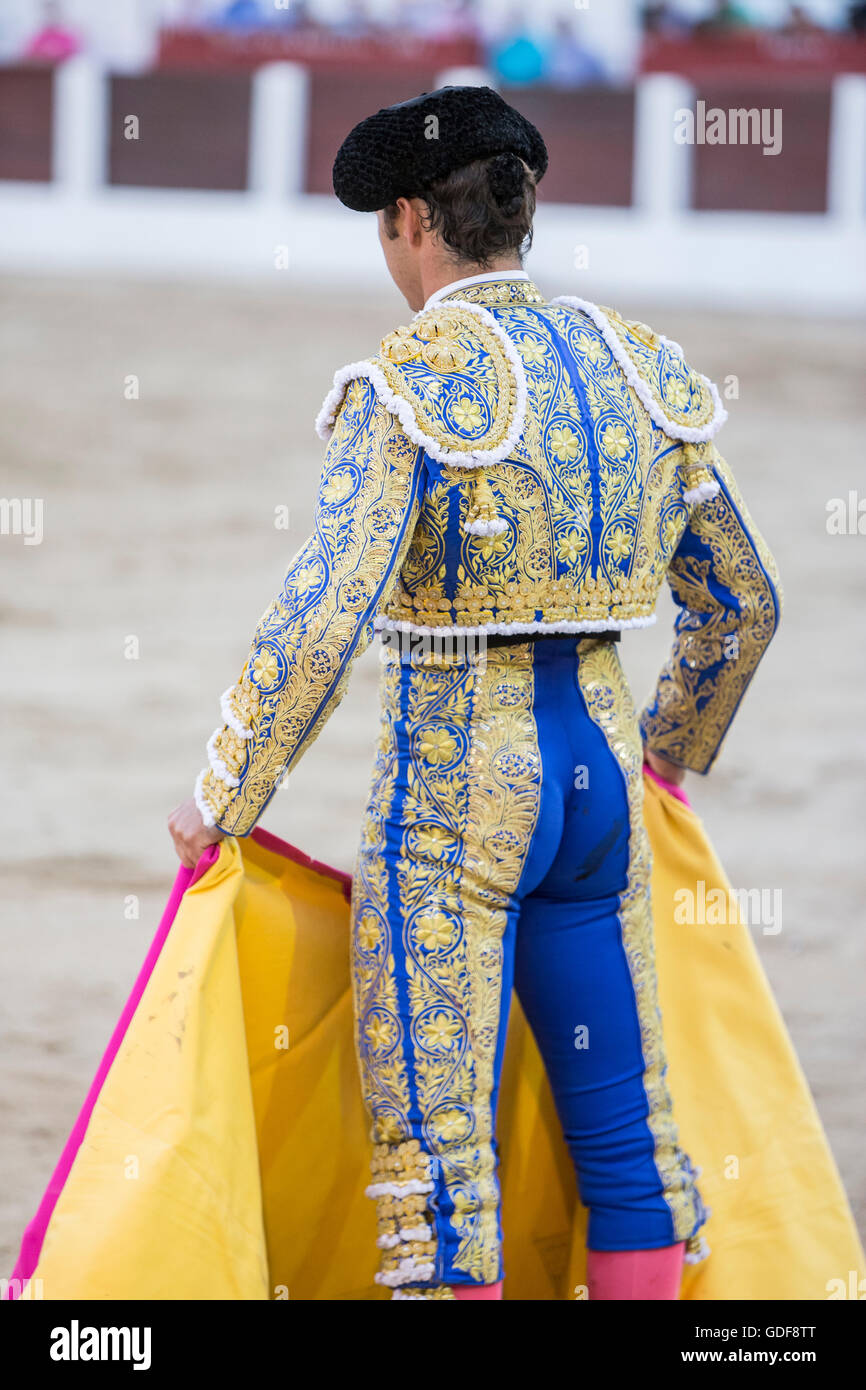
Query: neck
x=438 y=274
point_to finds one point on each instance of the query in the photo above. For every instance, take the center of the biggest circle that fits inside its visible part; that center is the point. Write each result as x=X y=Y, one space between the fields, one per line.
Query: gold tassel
x=481 y=518
x=699 y=479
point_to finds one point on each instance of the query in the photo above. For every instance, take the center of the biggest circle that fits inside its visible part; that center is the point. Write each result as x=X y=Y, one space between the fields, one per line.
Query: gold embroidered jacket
x=508 y=464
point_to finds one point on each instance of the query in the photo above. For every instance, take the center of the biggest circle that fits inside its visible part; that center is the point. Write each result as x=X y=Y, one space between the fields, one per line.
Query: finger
x=182 y=851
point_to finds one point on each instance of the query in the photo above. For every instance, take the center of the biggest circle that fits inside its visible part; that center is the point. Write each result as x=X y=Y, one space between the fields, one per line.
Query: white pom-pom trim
x=694 y=1257
x=405 y=1233
x=218 y=767
x=700 y=493
x=454 y=458
x=587 y=625
x=688 y=433
x=410 y=1188
x=207 y=814
x=407 y=1272
x=416 y=1233
x=229 y=715
x=485 y=528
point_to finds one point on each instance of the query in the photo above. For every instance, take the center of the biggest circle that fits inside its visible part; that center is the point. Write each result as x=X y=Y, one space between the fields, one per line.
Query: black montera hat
x=401 y=150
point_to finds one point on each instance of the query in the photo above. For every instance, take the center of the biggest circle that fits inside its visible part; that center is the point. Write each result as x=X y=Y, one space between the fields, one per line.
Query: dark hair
x=482 y=211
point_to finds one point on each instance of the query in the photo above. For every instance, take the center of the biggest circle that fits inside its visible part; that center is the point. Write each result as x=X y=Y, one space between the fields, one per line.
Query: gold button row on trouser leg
x=402 y=1179
x=401 y=1163
x=402 y=1219
x=438 y=1292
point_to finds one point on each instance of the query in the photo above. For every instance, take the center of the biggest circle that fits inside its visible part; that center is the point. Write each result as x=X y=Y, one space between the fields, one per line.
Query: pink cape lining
x=34 y=1234
x=667 y=786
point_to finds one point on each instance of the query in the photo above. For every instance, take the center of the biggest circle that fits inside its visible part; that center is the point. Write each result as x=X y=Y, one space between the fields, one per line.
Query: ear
x=410 y=226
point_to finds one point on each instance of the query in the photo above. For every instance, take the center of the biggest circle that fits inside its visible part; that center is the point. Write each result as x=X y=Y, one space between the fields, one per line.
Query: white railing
x=659 y=247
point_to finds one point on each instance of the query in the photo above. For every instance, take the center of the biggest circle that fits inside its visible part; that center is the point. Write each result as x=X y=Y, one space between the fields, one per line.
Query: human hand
x=190 y=834
x=670 y=772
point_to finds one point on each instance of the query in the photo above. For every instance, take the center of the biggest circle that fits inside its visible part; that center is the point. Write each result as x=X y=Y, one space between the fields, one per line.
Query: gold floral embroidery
x=616 y=441
x=609 y=705
x=384 y=1079
x=684 y=395
x=501 y=292
x=514 y=601
x=307 y=640
x=564 y=443
x=571 y=545
x=468 y=415
x=266 y=667
x=544 y=495
x=731 y=599
x=484 y=799
x=453 y=371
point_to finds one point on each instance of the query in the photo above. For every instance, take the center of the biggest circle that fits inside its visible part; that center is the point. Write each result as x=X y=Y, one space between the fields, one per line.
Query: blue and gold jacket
x=507 y=464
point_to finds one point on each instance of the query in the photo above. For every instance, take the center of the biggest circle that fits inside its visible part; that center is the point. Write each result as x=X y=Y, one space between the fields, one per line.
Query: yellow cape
x=227 y=1153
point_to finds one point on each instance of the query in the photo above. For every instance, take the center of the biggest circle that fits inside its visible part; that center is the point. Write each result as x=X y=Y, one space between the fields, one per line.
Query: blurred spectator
x=458 y=19
x=54 y=41
x=454 y=19
x=662 y=18
x=355 y=21
x=727 y=16
x=418 y=16
x=857 y=18
x=240 y=14
x=800 y=23
x=297 y=18
x=517 y=58
x=570 y=63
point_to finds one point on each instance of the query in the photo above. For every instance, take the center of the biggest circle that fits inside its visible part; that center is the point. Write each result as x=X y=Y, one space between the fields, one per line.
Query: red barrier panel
x=590 y=136
x=193 y=130
x=756 y=58
x=320 y=49
x=25 y=122
x=740 y=177
x=337 y=104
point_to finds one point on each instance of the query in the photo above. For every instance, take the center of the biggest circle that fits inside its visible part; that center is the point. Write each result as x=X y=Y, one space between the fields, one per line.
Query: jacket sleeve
x=725 y=582
x=321 y=620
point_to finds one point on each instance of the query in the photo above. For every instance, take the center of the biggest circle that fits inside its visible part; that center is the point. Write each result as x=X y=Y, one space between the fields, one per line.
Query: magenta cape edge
x=34 y=1234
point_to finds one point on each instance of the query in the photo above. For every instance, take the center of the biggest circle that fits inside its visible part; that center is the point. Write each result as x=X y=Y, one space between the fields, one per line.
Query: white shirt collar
x=474 y=280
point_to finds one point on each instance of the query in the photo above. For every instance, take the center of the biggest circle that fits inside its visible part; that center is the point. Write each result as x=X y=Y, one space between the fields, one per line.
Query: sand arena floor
x=159 y=527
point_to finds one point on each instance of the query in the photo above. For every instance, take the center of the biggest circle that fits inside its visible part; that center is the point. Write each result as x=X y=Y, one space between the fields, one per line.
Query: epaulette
x=679 y=400
x=682 y=402
x=454 y=380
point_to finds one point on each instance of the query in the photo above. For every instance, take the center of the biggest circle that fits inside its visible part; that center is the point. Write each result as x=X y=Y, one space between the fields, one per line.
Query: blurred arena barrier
x=226 y=170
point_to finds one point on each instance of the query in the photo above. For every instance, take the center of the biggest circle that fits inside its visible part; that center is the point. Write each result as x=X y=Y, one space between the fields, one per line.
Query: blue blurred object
x=241 y=14
x=570 y=63
x=518 y=59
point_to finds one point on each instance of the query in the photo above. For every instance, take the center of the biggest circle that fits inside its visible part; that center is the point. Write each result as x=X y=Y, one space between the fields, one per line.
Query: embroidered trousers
x=503 y=848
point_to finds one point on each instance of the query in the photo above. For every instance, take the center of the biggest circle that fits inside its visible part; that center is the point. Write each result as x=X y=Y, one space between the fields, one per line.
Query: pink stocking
x=635 y=1274
x=462 y=1291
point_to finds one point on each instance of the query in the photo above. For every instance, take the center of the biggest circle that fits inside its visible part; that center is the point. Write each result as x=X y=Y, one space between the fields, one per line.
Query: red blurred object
x=755 y=57
x=26 y=122
x=316 y=49
x=741 y=177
